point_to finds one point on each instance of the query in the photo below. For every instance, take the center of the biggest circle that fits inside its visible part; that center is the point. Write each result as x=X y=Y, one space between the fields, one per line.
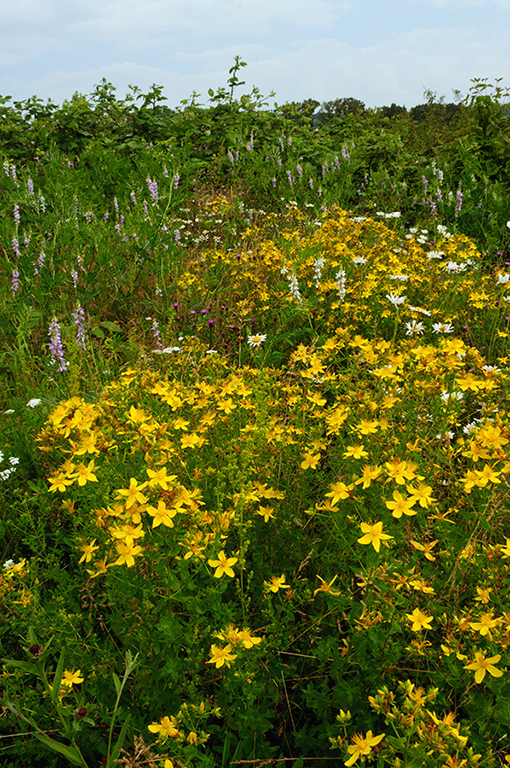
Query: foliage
x=255 y=444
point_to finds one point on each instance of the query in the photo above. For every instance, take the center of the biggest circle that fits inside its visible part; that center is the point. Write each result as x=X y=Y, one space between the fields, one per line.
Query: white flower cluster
x=293 y=284
x=393 y=215
x=6 y=473
x=452 y=266
x=318 y=266
x=443 y=230
x=395 y=300
x=421 y=236
x=340 y=283
x=359 y=260
x=447 y=396
x=414 y=327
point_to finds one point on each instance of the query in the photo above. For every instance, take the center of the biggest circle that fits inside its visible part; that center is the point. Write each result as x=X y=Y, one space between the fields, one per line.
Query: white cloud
x=134 y=19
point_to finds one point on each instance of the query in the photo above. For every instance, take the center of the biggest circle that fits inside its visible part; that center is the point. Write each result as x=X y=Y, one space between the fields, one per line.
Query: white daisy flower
x=257 y=340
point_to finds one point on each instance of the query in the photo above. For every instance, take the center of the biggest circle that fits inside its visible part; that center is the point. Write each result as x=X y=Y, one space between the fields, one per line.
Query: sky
x=378 y=51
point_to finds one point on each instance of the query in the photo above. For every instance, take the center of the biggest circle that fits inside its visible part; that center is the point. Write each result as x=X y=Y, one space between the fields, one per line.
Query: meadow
x=254 y=445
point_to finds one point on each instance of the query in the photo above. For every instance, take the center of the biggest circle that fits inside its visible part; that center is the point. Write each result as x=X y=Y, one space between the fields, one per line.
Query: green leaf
x=24 y=665
x=116 y=682
x=118 y=744
x=70 y=753
x=502 y=712
x=57 y=679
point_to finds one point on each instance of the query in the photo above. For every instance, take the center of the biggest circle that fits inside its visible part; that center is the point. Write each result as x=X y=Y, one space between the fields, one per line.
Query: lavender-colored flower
x=177 y=236
x=345 y=153
x=337 y=162
x=41 y=258
x=79 y=321
x=458 y=204
x=310 y=182
x=133 y=198
x=6 y=168
x=16 y=214
x=249 y=146
x=56 y=348
x=153 y=189
x=15 y=246
x=176 y=181
x=165 y=173
x=116 y=204
x=289 y=176
x=299 y=170
x=74 y=275
x=15 y=282
x=156 y=333
x=106 y=216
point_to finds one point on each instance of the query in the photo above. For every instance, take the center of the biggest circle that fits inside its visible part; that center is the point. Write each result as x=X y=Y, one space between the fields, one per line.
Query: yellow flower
x=162 y=515
x=356 y=451
x=266 y=513
x=339 y=491
x=373 y=535
x=191 y=440
x=362 y=746
x=127 y=552
x=247 y=639
x=505 y=550
x=223 y=565
x=369 y=474
x=88 y=550
x=166 y=727
x=276 y=583
x=485 y=624
x=221 y=656
x=419 y=620
x=85 y=473
x=70 y=678
x=401 y=504
x=133 y=493
x=310 y=461
x=400 y=471
x=60 y=482
x=481 y=665
x=422 y=494
x=426 y=548
x=160 y=477
x=326 y=586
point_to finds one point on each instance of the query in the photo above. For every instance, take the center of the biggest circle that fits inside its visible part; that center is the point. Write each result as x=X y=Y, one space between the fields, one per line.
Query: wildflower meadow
x=255 y=432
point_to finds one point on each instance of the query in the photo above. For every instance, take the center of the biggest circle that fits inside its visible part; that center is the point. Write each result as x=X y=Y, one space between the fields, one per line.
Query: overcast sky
x=378 y=51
